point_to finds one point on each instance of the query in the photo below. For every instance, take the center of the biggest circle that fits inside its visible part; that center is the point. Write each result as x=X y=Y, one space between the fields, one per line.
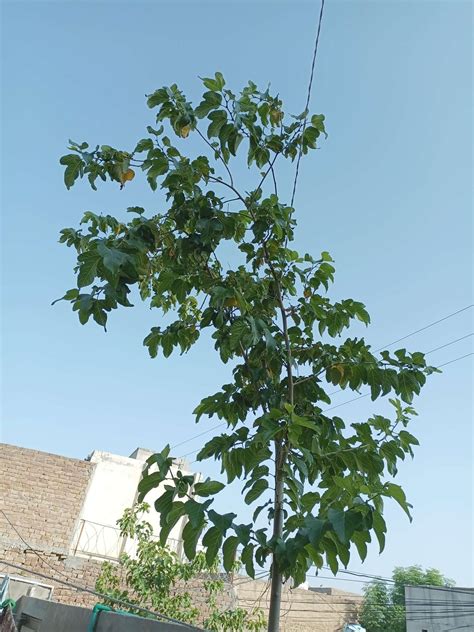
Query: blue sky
x=388 y=194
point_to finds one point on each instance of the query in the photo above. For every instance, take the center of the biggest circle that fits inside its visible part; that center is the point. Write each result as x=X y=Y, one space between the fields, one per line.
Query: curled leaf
x=126 y=176
x=184 y=131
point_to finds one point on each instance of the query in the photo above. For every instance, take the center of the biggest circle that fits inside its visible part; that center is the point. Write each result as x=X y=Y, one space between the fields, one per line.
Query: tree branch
x=216 y=151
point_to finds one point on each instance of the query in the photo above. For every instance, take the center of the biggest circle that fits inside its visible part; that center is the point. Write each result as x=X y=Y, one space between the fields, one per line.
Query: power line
x=440 y=320
x=436 y=322
x=30 y=548
x=358 y=574
x=448 y=344
x=367 y=394
x=455 y=360
x=418 y=606
x=308 y=97
x=349 y=401
x=139 y=608
x=79 y=588
x=201 y=434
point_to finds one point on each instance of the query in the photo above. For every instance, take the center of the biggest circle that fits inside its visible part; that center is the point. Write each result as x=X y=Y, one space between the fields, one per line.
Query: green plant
x=319 y=481
x=384 y=605
x=156 y=578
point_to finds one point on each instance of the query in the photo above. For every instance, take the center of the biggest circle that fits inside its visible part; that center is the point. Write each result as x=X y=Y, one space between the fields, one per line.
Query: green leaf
x=196 y=511
x=360 y=539
x=70 y=295
x=168 y=521
x=344 y=523
x=247 y=560
x=190 y=539
x=331 y=556
x=317 y=121
x=208 y=488
x=260 y=486
x=304 y=422
x=380 y=529
x=88 y=262
x=164 y=503
x=316 y=528
x=145 y=144
x=147 y=483
x=229 y=552
x=397 y=493
x=221 y=521
x=113 y=259
x=220 y=80
x=309 y=499
x=212 y=540
x=74 y=165
x=234 y=141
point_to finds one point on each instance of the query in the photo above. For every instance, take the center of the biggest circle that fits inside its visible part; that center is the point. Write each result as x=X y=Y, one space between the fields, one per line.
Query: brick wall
x=42 y=495
x=80 y=571
x=302 y=610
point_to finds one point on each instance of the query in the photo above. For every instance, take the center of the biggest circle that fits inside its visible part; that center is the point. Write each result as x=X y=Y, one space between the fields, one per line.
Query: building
x=111 y=489
x=439 y=609
x=58 y=524
x=60 y=515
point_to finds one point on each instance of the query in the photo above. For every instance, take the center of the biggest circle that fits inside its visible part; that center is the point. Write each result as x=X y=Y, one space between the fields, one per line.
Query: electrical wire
x=308 y=98
x=436 y=322
x=76 y=587
x=457 y=609
x=432 y=324
x=349 y=401
x=448 y=344
x=85 y=589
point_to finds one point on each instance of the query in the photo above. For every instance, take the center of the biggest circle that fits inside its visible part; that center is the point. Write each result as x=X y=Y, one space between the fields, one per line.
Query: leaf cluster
x=155 y=578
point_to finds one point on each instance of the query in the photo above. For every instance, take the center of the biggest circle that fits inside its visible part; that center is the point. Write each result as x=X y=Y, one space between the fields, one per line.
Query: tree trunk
x=276 y=576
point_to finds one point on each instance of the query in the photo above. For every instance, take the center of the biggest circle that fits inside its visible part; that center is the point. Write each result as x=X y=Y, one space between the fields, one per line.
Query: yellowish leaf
x=184 y=131
x=230 y=302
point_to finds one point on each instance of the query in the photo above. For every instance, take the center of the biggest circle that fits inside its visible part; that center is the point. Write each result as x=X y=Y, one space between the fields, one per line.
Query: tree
x=320 y=482
x=384 y=605
x=152 y=578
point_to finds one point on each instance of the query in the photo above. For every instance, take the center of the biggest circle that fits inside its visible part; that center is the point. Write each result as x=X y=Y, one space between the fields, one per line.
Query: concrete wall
x=36 y=615
x=437 y=609
x=112 y=489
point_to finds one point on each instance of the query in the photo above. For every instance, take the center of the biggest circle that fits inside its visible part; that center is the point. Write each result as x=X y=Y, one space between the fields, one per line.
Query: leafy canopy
x=318 y=484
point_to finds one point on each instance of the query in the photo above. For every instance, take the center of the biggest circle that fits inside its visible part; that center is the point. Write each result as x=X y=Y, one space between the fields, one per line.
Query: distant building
x=439 y=609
